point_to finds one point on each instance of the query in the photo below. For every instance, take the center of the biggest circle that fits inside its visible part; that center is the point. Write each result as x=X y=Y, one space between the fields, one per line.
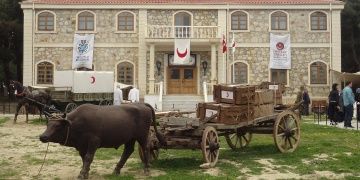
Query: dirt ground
x=22 y=154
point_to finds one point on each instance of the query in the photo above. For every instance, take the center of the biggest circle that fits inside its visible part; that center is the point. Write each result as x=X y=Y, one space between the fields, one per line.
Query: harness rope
x=47 y=149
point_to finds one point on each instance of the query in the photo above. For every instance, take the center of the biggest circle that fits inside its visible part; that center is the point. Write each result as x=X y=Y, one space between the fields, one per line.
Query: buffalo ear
x=64 y=115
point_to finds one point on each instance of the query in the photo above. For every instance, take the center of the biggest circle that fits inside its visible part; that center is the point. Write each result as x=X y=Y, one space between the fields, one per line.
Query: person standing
x=299 y=98
x=134 y=95
x=357 y=98
x=334 y=104
x=306 y=102
x=118 y=96
x=349 y=100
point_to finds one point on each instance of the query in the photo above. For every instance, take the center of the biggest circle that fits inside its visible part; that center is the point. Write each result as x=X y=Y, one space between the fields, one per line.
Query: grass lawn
x=322 y=149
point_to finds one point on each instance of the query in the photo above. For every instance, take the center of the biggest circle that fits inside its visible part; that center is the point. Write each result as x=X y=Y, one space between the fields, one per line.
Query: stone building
x=135 y=40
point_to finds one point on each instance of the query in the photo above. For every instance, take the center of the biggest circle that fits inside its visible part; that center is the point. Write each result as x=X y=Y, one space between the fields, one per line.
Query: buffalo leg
x=17 y=111
x=145 y=148
x=128 y=150
x=82 y=155
x=88 y=158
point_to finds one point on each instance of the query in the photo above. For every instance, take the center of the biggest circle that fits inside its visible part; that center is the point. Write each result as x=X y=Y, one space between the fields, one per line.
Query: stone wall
x=105 y=28
x=166 y=17
x=258 y=60
x=298 y=25
x=105 y=59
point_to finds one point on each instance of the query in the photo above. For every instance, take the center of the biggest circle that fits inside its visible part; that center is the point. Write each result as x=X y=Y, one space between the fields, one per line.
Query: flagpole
x=233 y=55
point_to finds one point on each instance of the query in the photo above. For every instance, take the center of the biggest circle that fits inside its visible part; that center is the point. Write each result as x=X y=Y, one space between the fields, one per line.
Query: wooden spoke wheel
x=109 y=102
x=210 y=145
x=287 y=131
x=238 y=140
x=153 y=148
x=70 y=107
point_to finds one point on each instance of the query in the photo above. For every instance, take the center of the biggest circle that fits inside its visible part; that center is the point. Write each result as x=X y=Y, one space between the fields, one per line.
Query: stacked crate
x=233 y=105
x=264 y=103
x=277 y=93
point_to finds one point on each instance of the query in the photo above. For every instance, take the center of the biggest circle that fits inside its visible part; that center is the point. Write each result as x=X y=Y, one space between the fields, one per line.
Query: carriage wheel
x=238 y=140
x=287 y=131
x=210 y=145
x=154 y=151
x=109 y=102
x=70 y=107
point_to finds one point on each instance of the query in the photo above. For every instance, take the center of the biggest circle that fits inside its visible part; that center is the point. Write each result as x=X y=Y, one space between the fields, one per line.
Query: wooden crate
x=226 y=113
x=263 y=110
x=279 y=92
x=264 y=97
x=237 y=95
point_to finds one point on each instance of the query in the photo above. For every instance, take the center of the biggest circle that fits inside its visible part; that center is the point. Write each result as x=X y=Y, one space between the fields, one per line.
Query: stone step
x=181 y=102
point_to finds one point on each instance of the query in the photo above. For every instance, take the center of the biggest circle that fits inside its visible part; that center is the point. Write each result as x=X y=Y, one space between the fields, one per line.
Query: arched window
x=182 y=23
x=318 y=21
x=279 y=21
x=126 y=21
x=86 y=21
x=45 y=73
x=239 y=21
x=318 y=73
x=239 y=73
x=125 y=73
x=46 y=21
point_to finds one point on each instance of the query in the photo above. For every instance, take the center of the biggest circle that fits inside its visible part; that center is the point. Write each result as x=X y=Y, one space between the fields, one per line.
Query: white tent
x=353 y=77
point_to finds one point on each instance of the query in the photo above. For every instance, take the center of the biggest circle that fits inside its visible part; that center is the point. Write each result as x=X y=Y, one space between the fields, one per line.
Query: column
x=213 y=64
x=142 y=50
x=151 y=69
x=222 y=57
x=28 y=67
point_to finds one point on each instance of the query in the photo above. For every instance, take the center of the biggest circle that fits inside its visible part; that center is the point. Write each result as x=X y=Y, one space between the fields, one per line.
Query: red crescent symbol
x=93 y=79
x=181 y=55
x=280 y=46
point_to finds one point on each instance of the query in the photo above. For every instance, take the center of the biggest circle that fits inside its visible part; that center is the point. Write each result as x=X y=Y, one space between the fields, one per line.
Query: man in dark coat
x=334 y=106
x=306 y=102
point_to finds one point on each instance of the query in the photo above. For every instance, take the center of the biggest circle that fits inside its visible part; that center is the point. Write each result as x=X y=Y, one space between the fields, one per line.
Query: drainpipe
x=331 y=47
x=33 y=40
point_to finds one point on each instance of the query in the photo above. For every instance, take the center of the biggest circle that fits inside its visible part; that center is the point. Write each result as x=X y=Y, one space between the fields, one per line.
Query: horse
x=27 y=98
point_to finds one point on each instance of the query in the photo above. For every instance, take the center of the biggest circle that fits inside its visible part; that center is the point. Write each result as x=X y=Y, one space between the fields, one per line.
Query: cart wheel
x=109 y=103
x=238 y=140
x=210 y=145
x=154 y=151
x=287 y=131
x=70 y=107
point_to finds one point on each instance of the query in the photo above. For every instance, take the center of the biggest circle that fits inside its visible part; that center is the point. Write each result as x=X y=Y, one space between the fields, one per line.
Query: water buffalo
x=90 y=127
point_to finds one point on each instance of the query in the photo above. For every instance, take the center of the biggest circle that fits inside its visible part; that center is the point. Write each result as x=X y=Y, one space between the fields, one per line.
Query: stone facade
x=298 y=26
x=112 y=47
x=105 y=28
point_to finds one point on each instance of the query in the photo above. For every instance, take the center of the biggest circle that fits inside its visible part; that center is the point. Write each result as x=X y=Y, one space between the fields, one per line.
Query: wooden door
x=182 y=80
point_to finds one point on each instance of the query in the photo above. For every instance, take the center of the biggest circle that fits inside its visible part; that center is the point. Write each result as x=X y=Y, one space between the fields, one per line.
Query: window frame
x=326 y=71
x=117 y=22
x=310 y=21
x=247 y=21
x=37 y=73
x=77 y=22
x=37 y=22
x=190 y=28
x=133 y=73
x=287 y=22
x=232 y=65
x=287 y=75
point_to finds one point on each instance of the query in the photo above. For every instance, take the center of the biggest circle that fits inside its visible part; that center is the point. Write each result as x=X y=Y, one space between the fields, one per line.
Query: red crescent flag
x=224 y=44
x=182 y=52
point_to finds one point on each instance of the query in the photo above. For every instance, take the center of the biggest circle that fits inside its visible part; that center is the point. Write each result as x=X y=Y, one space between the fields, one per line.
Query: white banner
x=182 y=52
x=83 y=51
x=280 y=52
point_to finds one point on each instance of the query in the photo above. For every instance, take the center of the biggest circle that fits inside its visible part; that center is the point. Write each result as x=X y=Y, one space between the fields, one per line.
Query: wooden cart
x=183 y=132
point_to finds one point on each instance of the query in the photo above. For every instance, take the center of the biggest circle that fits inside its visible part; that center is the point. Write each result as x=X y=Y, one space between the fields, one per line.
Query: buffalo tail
x=159 y=136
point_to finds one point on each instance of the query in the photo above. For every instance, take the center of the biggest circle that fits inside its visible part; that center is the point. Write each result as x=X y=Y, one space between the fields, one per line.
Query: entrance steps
x=181 y=102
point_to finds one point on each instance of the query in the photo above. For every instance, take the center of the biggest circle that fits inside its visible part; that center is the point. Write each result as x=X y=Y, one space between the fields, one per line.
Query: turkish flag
x=224 y=44
x=182 y=52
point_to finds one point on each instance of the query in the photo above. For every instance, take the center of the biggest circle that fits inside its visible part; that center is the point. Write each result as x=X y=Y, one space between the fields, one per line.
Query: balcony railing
x=185 y=32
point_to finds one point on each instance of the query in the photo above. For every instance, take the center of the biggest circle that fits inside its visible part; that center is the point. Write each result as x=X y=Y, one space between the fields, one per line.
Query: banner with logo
x=182 y=52
x=280 y=52
x=83 y=51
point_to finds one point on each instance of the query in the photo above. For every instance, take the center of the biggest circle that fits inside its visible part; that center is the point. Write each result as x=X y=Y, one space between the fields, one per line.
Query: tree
x=11 y=40
x=350 y=27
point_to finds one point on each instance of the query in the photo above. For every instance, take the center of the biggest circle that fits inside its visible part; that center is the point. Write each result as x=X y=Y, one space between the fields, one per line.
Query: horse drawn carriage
x=72 y=88
x=238 y=113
